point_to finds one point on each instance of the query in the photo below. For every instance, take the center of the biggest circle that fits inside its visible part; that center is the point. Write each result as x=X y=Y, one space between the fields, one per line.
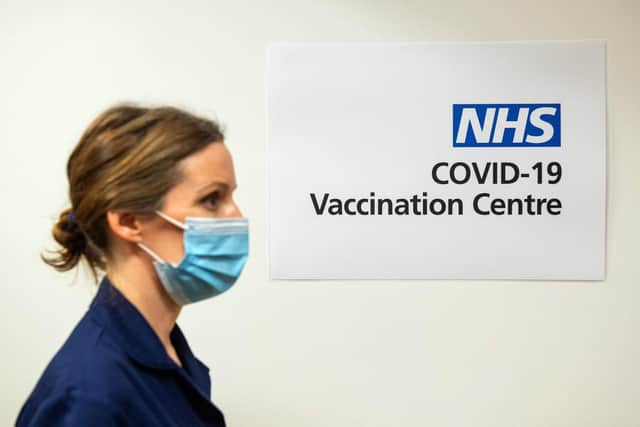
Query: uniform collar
x=136 y=337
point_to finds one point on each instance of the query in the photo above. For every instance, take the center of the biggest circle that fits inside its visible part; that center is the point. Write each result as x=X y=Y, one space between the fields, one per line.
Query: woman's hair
x=126 y=160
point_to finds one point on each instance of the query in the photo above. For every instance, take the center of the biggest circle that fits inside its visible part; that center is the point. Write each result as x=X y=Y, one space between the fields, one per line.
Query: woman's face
x=206 y=191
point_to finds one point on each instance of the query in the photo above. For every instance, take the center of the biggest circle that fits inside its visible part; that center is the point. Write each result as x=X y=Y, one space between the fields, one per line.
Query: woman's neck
x=139 y=283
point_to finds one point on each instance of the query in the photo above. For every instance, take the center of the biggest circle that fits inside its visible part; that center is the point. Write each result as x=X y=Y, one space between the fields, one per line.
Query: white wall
x=294 y=353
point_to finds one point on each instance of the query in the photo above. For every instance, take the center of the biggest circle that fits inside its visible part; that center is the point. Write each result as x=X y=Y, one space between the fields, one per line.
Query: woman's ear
x=125 y=225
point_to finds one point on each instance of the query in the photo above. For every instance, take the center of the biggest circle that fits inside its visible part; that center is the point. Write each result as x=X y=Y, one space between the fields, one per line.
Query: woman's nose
x=234 y=210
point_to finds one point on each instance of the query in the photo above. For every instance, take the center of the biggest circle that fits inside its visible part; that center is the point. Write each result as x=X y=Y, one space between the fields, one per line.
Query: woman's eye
x=211 y=199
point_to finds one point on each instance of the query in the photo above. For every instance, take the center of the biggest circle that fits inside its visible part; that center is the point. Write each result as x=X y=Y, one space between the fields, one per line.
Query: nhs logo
x=506 y=125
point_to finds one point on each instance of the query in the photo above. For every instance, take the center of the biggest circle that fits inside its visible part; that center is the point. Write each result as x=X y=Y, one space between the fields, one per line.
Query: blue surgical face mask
x=216 y=250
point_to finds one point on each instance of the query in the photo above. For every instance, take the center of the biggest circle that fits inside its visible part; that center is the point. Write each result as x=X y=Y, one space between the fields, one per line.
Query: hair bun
x=68 y=222
x=67 y=232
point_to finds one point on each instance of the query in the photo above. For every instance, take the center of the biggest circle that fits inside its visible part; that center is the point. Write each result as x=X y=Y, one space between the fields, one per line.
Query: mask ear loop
x=154 y=255
x=171 y=220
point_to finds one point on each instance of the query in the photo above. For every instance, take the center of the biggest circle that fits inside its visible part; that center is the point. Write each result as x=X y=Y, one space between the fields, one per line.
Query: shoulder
x=94 y=364
x=84 y=381
x=69 y=407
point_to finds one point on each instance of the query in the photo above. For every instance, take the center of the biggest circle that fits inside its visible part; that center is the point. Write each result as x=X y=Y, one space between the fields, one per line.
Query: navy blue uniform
x=113 y=370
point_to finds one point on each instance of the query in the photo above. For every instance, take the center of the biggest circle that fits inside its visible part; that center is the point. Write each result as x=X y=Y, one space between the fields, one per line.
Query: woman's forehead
x=210 y=166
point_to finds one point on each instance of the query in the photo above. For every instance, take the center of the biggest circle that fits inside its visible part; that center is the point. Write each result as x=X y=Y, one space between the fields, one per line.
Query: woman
x=152 y=207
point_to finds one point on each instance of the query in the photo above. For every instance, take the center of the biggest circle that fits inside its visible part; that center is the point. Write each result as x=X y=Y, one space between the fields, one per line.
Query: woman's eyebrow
x=215 y=184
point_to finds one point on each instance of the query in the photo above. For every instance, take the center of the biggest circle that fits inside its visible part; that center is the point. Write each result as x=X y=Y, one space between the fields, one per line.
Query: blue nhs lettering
x=506 y=125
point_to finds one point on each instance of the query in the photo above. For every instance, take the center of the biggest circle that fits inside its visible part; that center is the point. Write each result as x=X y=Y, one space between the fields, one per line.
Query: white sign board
x=437 y=161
